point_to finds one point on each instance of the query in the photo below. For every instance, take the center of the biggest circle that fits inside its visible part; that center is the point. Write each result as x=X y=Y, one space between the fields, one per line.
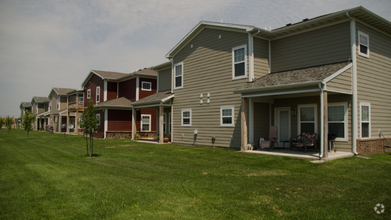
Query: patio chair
x=304 y=140
x=272 y=138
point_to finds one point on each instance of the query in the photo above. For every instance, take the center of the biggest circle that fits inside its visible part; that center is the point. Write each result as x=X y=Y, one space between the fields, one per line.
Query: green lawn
x=49 y=177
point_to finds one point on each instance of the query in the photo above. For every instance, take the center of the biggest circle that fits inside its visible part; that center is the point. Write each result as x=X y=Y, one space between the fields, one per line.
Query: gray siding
x=317 y=47
x=207 y=68
x=165 y=80
x=342 y=83
x=374 y=80
x=261 y=57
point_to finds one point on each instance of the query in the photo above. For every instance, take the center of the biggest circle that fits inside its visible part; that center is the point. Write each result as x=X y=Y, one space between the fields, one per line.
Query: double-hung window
x=145 y=122
x=239 y=62
x=365 y=125
x=88 y=93
x=147 y=86
x=178 y=73
x=186 y=117
x=97 y=94
x=50 y=106
x=227 y=116
x=338 y=121
x=307 y=118
x=363 y=44
x=58 y=103
x=98 y=119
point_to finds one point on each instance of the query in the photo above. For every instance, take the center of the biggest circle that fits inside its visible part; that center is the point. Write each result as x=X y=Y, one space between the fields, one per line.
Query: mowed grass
x=49 y=176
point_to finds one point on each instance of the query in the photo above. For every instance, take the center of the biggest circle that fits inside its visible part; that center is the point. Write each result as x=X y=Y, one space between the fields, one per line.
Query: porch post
x=244 y=124
x=325 y=125
x=133 y=123
x=67 y=128
x=106 y=124
x=161 y=131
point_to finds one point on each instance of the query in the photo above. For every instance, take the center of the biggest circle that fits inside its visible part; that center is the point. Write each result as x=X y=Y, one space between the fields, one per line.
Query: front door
x=283 y=120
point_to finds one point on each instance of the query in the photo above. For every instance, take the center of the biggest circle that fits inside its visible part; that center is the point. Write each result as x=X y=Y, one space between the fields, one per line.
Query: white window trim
x=186 y=110
x=245 y=62
x=149 y=124
x=345 y=121
x=98 y=122
x=369 y=117
x=88 y=93
x=221 y=116
x=315 y=118
x=142 y=86
x=359 y=43
x=174 y=77
x=97 y=94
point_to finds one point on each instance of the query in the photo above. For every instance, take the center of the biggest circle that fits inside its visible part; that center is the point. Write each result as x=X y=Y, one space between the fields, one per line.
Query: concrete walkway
x=301 y=154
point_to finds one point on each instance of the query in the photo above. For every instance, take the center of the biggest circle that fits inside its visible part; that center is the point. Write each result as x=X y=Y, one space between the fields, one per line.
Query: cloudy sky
x=55 y=43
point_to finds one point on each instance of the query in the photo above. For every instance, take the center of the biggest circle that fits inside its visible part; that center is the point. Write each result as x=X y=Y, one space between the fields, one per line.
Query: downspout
x=270 y=57
x=321 y=122
x=354 y=83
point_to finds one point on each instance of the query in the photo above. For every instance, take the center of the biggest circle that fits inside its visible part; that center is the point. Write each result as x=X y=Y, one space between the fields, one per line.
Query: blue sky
x=55 y=43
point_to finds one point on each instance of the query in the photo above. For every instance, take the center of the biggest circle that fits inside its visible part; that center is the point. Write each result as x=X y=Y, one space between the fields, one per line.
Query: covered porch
x=314 y=101
x=162 y=102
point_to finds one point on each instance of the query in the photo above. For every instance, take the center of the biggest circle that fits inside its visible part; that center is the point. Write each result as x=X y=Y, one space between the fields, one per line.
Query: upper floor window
x=186 y=117
x=363 y=44
x=226 y=116
x=50 y=105
x=88 y=93
x=178 y=72
x=338 y=121
x=239 y=62
x=365 y=120
x=58 y=103
x=147 y=86
x=97 y=94
x=81 y=97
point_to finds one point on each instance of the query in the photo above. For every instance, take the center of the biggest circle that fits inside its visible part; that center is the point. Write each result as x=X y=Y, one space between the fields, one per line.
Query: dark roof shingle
x=119 y=102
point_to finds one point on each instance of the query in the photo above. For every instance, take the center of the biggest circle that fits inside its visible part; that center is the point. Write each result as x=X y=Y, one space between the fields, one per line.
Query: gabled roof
x=25 y=105
x=294 y=78
x=360 y=13
x=115 y=103
x=203 y=24
x=156 y=98
x=37 y=99
x=162 y=66
x=62 y=91
x=117 y=76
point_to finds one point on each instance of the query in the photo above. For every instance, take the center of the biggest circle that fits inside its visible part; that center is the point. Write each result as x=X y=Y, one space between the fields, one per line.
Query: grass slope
x=49 y=177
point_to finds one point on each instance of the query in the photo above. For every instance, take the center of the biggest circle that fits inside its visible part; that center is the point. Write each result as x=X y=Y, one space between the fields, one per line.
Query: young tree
x=27 y=121
x=89 y=123
x=1 y=122
x=8 y=123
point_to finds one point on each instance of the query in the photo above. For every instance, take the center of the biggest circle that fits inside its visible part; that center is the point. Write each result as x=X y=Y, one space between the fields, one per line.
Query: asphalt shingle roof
x=310 y=74
x=40 y=99
x=25 y=104
x=62 y=91
x=109 y=74
x=119 y=102
x=157 y=97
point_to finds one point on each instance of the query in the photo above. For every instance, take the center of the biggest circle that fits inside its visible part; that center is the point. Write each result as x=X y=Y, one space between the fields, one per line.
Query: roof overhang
x=215 y=25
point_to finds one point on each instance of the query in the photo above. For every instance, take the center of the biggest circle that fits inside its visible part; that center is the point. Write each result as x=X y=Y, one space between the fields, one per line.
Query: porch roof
x=115 y=103
x=156 y=99
x=293 y=78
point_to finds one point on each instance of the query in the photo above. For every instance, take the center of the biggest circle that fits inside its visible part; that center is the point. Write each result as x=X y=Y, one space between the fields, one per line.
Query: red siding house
x=112 y=94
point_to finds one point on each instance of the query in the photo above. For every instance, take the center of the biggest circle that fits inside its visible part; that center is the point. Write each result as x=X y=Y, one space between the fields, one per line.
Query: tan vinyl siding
x=374 y=80
x=342 y=83
x=165 y=80
x=261 y=57
x=207 y=68
x=322 y=46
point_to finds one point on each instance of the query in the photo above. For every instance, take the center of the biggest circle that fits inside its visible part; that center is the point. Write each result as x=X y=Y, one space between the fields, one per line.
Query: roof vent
x=289 y=24
x=305 y=19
